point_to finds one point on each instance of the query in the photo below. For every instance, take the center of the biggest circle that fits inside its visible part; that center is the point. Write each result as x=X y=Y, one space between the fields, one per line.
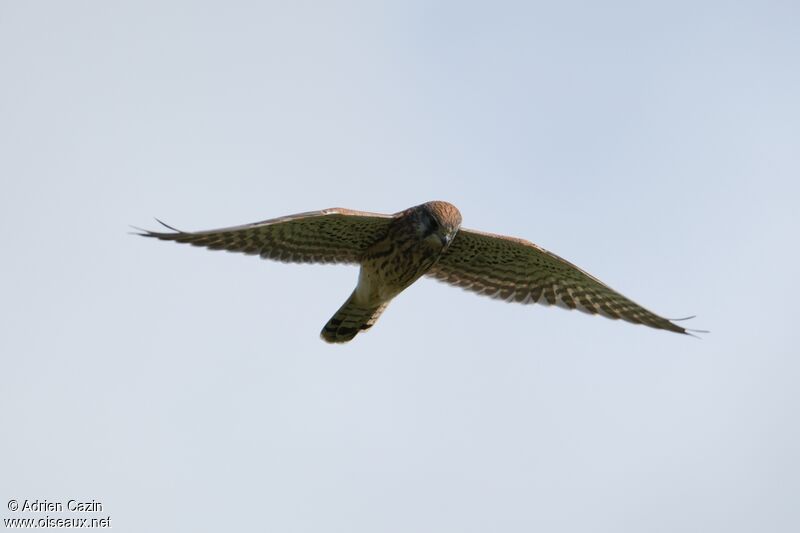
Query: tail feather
x=351 y=319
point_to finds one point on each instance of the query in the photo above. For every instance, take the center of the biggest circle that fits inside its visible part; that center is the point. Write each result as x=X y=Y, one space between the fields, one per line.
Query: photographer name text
x=45 y=506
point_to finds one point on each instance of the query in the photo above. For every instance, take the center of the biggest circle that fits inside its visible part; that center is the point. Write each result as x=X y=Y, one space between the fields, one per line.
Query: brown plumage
x=396 y=250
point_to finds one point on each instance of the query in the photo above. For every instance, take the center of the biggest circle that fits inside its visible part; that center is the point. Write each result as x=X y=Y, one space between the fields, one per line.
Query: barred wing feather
x=520 y=271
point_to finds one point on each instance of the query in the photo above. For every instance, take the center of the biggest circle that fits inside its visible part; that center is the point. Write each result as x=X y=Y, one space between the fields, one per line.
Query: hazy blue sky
x=655 y=144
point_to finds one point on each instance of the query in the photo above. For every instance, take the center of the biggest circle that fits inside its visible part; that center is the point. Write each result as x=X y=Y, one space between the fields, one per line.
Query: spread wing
x=520 y=271
x=329 y=236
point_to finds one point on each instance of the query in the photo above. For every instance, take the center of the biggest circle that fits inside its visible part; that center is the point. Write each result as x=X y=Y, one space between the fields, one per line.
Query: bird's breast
x=393 y=266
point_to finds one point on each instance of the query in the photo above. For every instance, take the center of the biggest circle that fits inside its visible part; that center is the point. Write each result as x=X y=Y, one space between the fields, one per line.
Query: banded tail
x=351 y=319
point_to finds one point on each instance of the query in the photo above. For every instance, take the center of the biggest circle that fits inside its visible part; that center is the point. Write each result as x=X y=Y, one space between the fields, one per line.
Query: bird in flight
x=396 y=250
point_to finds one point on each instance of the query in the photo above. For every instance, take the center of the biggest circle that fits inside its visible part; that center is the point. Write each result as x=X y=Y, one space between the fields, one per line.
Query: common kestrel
x=396 y=250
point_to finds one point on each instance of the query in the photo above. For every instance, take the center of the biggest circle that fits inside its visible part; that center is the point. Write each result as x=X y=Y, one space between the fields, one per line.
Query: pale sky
x=656 y=145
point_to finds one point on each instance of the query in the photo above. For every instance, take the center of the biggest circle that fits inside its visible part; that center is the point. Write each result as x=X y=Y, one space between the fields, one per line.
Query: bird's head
x=438 y=223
